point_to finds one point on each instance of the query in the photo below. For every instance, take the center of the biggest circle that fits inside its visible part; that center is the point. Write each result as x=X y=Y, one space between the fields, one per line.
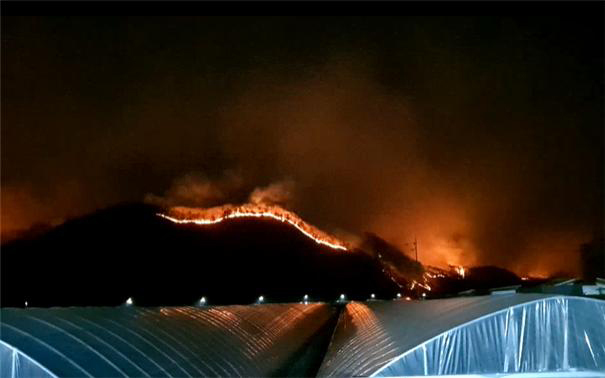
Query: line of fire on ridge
x=183 y=215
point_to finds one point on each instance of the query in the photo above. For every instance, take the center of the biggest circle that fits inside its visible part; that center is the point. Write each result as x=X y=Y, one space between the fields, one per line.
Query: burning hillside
x=417 y=280
x=213 y=215
x=133 y=252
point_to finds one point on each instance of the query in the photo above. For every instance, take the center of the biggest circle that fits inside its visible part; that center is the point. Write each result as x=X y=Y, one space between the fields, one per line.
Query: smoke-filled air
x=397 y=133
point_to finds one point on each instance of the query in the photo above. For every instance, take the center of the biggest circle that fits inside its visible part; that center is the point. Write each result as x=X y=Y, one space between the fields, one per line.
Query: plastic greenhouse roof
x=494 y=334
x=172 y=341
x=498 y=335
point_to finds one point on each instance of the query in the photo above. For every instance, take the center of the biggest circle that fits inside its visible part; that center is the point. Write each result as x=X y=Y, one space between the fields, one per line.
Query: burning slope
x=132 y=252
x=418 y=280
x=214 y=215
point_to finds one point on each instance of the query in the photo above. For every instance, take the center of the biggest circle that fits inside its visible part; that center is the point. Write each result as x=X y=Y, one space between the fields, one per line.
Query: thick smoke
x=365 y=160
x=197 y=190
x=484 y=149
x=278 y=193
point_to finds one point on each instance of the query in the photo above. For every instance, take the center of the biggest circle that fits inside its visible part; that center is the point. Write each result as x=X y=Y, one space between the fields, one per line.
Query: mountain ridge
x=127 y=251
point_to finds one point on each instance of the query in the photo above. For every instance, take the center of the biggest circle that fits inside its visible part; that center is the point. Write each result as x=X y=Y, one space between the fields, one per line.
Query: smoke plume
x=277 y=193
x=197 y=190
x=487 y=150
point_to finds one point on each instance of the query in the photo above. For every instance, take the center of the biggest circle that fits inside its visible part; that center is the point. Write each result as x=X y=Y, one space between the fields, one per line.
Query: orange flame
x=214 y=215
x=460 y=270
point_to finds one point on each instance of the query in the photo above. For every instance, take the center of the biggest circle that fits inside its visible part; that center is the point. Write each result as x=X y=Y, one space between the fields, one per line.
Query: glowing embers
x=214 y=215
x=424 y=285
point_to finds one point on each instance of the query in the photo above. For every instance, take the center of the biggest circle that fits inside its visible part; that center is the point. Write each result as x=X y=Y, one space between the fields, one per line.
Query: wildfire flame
x=460 y=270
x=425 y=284
x=214 y=215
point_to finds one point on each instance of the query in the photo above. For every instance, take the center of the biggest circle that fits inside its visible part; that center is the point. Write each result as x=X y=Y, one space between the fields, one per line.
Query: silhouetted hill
x=393 y=257
x=405 y=271
x=127 y=251
x=480 y=279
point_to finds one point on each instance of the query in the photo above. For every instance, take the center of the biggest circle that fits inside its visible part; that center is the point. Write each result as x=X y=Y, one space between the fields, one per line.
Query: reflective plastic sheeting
x=550 y=335
x=14 y=364
x=495 y=334
x=162 y=342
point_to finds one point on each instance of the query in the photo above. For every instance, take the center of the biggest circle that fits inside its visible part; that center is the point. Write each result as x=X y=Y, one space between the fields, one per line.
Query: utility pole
x=416 y=247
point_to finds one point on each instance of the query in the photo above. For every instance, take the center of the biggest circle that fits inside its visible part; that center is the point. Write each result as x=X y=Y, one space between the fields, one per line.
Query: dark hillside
x=127 y=251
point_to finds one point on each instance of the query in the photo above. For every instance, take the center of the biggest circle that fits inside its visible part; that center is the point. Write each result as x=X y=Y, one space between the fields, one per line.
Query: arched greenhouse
x=499 y=335
x=524 y=334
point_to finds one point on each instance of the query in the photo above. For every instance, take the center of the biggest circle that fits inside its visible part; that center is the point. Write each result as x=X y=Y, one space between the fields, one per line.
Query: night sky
x=480 y=136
